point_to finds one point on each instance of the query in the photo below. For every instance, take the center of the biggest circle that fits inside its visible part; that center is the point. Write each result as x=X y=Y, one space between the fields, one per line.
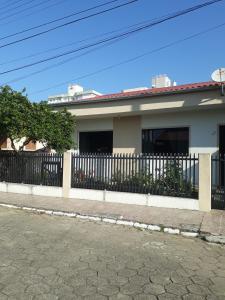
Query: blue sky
x=189 y=61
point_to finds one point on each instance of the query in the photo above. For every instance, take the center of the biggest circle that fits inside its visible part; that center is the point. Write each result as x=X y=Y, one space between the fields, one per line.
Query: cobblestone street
x=47 y=257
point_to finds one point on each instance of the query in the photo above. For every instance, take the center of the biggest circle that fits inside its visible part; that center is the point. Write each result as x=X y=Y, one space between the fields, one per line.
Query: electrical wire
x=32 y=13
x=130 y=60
x=172 y=16
x=25 y=9
x=71 y=22
x=13 y=8
x=9 y=4
x=59 y=19
x=61 y=63
x=74 y=43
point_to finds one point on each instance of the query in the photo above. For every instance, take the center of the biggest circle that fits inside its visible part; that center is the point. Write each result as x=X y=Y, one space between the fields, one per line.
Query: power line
x=34 y=12
x=9 y=4
x=74 y=43
x=125 y=34
x=25 y=9
x=61 y=63
x=71 y=22
x=132 y=59
x=57 y=20
x=15 y=7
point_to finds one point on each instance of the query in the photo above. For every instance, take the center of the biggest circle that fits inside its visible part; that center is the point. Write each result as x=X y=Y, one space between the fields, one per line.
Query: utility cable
x=71 y=22
x=130 y=60
x=57 y=20
x=25 y=9
x=74 y=43
x=191 y=9
x=32 y=13
x=13 y=8
x=10 y=4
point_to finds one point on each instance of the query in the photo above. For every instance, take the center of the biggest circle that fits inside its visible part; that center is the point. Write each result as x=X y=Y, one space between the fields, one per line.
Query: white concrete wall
x=137 y=199
x=104 y=124
x=203 y=127
x=28 y=189
x=105 y=196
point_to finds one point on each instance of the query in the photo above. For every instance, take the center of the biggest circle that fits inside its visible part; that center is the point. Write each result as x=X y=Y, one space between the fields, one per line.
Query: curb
x=118 y=221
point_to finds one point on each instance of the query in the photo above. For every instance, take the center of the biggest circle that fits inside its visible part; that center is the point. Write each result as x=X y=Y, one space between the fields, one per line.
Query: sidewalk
x=209 y=225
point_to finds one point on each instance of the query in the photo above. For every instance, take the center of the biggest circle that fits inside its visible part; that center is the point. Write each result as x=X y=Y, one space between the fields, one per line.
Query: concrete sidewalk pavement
x=209 y=225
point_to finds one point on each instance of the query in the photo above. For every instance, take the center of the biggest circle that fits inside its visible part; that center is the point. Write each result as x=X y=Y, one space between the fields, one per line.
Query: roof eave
x=165 y=93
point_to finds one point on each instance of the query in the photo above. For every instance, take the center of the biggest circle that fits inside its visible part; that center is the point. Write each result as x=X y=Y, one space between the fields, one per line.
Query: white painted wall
x=106 y=196
x=204 y=124
x=92 y=125
x=28 y=189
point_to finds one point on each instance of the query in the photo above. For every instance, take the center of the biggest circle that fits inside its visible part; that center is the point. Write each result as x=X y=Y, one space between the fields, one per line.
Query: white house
x=186 y=118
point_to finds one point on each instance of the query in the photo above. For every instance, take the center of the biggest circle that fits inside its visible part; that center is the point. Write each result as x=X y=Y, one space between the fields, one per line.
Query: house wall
x=30 y=147
x=150 y=105
x=127 y=134
x=203 y=128
x=104 y=124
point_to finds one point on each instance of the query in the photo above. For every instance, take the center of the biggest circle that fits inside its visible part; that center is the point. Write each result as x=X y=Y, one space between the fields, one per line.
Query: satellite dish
x=218 y=75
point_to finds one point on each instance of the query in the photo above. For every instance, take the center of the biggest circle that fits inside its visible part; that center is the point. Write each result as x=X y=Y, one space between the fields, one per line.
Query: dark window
x=96 y=142
x=166 y=140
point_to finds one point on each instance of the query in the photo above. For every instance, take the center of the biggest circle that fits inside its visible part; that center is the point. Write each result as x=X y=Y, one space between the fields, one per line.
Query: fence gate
x=218 y=182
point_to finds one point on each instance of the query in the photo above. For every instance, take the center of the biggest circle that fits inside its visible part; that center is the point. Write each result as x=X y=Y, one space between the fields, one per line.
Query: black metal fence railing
x=218 y=182
x=31 y=168
x=169 y=175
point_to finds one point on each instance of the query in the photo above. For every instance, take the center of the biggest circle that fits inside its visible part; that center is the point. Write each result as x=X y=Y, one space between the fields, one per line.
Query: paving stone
x=95 y=297
x=218 y=289
x=14 y=288
x=3 y=297
x=85 y=290
x=176 y=289
x=198 y=289
x=95 y=280
x=131 y=289
x=127 y=273
x=154 y=289
x=160 y=279
x=118 y=280
x=177 y=278
x=168 y=296
x=215 y=297
x=52 y=257
x=193 y=297
x=139 y=280
x=46 y=297
x=20 y=296
x=120 y=297
x=145 y=297
x=201 y=280
x=108 y=290
x=38 y=289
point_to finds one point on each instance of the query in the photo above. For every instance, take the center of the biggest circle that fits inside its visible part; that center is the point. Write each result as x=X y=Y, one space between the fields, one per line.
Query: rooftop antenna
x=219 y=76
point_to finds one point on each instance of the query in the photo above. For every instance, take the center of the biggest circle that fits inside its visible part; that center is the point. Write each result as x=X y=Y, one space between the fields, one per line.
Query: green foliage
x=170 y=181
x=173 y=180
x=21 y=119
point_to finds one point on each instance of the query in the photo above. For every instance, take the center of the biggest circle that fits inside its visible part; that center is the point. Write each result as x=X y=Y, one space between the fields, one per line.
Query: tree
x=23 y=122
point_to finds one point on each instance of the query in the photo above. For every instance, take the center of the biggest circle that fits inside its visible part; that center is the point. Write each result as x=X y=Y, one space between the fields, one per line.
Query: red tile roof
x=148 y=92
x=156 y=91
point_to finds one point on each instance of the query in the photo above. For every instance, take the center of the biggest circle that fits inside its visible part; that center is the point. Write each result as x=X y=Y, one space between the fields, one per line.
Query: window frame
x=166 y=128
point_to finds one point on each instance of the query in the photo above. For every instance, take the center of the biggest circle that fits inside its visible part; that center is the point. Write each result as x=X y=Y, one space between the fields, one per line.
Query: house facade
x=184 y=119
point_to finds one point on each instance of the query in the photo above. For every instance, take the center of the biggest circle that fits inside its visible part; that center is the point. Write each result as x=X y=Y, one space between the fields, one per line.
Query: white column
x=67 y=157
x=205 y=182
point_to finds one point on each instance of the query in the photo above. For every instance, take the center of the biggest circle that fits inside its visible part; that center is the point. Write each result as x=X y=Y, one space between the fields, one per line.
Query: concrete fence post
x=67 y=157
x=204 y=182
